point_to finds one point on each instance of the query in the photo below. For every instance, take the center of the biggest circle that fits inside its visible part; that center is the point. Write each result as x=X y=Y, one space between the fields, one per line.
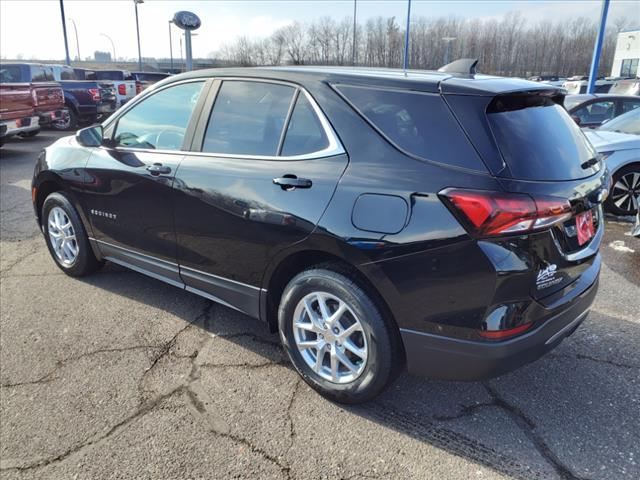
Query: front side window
x=160 y=121
x=247 y=118
x=596 y=112
x=304 y=132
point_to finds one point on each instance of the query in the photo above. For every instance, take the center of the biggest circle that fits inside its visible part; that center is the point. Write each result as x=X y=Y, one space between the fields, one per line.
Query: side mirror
x=90 y=136
x=576 y=119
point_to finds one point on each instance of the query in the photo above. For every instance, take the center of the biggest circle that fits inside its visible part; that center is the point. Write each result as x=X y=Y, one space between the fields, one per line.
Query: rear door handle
x=289 y=182
x=158 y=169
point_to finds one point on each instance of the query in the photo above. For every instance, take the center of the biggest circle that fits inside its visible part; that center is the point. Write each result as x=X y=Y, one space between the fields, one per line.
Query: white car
x=618 y=142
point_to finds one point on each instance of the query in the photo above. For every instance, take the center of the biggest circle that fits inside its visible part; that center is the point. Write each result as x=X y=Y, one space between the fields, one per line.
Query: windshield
x=625 y=123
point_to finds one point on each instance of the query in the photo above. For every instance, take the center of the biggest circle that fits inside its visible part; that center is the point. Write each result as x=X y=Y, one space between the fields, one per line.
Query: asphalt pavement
x=118 y=375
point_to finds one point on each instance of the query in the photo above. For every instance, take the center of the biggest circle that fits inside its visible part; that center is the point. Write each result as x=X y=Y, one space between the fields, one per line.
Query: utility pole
x=406 y=36
x=597 y=48
x=136 y=2
x=355 y=26
x=64 y=31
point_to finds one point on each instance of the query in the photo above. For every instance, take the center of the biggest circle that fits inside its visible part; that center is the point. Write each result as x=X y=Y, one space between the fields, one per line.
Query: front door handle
x=158 y=168
x=289 y=182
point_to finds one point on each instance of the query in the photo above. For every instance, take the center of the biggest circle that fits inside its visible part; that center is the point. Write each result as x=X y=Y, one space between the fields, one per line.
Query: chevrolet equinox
x=447 y=221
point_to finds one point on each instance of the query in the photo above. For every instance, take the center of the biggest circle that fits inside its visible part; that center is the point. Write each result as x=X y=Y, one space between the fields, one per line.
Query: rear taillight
x=122 y=89
x=95 y=94
x=138 y=87
x=502 y=334
x=486 y=213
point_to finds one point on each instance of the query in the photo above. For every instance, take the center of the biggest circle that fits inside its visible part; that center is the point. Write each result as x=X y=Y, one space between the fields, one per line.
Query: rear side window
x=159 y=121
x=41 y=74
x=304 y=133
x=596 y=112
x=420 y=124
x=538 y=139
x=248 y=118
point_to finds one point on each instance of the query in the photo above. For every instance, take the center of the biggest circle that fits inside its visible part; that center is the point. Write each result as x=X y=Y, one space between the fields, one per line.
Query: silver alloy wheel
x=626 y=192
x=330 y=337
x=62 y=236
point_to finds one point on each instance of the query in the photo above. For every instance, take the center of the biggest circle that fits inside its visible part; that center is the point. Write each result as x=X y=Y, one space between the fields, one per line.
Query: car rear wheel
x=337 y=338
x=625 y=191
x=69 y=122
x=66 y=237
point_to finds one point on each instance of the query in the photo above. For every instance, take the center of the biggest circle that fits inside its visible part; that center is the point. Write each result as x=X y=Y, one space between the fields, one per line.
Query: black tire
x=381 y=333
x=30 y=134
x=85 y=261
x=70 y=124
x=628 y=176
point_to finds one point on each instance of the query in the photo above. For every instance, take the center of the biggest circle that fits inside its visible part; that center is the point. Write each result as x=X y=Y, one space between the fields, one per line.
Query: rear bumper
x=458 y=359
x=9 y=128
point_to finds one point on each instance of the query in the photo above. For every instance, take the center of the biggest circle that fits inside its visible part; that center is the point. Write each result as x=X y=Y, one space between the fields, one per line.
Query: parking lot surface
x=118 y=375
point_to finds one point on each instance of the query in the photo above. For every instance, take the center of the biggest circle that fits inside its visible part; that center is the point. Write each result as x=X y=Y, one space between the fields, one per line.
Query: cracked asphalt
x=120 y=376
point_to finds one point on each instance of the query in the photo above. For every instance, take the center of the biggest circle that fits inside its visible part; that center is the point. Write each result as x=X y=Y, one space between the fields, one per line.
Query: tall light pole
x=597 y=48
x=112 y=45
x=136 y=2
x=64 y=32
x=77 y=40
x=448 y=40
x=406 y=36
x=353 y=50
x=170 y=46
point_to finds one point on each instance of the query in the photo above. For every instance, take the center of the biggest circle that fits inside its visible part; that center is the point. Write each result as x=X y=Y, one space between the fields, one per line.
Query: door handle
x=158 y=168
x=289 y=182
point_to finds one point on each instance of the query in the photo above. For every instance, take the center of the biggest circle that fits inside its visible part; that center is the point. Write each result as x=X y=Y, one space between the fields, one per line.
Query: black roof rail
x=463 y=66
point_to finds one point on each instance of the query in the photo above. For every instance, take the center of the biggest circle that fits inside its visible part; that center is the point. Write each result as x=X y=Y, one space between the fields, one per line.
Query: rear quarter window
x=419 y=124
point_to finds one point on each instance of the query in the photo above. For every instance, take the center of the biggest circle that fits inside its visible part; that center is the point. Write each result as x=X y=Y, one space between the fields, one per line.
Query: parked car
x=123 y=81
x=591 y=111
x=575 y=87
x=449 y=220
x=47 y=95
x=17 y=116
x=618 y=142
x=629 y=86
x=549 y=79
x=146 y=79
x=86 y=100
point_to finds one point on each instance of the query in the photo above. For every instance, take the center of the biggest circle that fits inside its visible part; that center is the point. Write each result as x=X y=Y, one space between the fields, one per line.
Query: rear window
x=61 y=73
x=41 y=74
x=109 y=75
x=10 y=74
x=418 y=123
x=538 y=139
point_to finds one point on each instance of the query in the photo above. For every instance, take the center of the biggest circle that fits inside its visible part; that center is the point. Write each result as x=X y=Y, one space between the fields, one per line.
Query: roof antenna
x=463 y=66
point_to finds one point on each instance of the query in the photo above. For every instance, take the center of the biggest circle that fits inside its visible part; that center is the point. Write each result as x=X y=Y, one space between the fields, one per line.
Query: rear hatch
x=532 y=146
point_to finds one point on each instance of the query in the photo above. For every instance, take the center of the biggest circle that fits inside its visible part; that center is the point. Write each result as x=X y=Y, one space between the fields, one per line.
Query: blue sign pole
x=406 y=36
x=597 y=49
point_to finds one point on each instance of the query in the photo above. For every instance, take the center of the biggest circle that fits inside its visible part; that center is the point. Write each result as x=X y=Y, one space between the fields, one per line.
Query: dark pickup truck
x=47 y=95
x=87 y=99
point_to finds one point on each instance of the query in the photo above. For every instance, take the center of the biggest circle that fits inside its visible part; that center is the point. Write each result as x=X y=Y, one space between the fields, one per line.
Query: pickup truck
x=17 y=116
x=146 y=79
x=46 y=94
x=86 y=99
x=124 y=82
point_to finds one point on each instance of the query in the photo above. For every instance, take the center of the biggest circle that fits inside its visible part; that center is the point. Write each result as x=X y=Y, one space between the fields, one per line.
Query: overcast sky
x=33 y=29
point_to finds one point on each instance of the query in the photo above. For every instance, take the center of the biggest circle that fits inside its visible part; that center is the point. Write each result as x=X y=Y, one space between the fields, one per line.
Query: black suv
x=449 y=221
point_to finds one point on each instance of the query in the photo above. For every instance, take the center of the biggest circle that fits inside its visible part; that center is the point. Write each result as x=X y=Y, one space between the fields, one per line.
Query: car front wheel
x=66 y=237
x=337 y=338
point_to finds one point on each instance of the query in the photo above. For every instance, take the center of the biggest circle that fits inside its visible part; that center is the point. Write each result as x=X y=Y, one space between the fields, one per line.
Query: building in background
x=627 y=56
x=102 y=56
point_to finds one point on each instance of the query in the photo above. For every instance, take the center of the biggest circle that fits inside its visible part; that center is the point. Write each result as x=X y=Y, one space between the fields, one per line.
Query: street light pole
x=406 y=36
x=112 y=45
x=64 y=32
x=353 y=50
x=170 y=45
x=136 y=2
x=77 y=40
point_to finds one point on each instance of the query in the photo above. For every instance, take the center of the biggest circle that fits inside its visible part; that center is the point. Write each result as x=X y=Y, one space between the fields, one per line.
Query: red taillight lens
x=138 y=87
x=122 y=89
x=95 y=94
x=502 y=334
x=487 y=213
